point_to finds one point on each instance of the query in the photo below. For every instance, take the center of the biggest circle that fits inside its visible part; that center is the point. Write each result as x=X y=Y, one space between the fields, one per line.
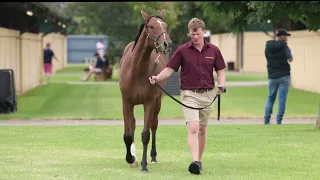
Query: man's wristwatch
x=223 y=89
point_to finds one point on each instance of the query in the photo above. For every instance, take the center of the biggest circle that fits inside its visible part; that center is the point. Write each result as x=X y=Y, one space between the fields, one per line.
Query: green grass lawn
x=76 y=78
x=237 y=152
x=103 y=101
x=73 y=68
x=68 y=78
x=60 y=100
x=74 y=72
x=246 y=77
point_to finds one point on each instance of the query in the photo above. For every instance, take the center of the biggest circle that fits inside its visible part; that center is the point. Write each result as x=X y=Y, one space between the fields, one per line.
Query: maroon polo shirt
x=197 y=67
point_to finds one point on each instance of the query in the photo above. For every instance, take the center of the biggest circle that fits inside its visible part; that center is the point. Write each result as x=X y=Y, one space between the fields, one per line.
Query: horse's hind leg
x=154 y=126
x=148 y=115
x=128 y=137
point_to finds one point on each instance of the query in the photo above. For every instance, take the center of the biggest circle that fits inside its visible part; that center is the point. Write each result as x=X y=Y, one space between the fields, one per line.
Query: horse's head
x=156 y=30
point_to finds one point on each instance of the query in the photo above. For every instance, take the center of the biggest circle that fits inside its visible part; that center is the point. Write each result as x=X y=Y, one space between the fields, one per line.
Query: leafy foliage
x=120 y=20
x=190 y=10
x=245 y=13
x=172 y=11
x=105 y=18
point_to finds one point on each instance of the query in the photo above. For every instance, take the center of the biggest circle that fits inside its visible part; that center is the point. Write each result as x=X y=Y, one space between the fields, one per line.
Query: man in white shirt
x=100 y=49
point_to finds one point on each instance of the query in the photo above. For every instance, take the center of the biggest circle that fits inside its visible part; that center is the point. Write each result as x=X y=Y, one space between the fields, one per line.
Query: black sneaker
x=200 y=164
x=194 y=167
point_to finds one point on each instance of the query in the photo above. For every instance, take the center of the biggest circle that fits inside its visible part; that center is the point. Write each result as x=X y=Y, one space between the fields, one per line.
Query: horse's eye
x=151 y=27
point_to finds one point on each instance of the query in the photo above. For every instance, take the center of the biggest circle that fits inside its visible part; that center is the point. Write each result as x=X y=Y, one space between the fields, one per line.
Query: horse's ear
x=145 y=15
x=162 y=13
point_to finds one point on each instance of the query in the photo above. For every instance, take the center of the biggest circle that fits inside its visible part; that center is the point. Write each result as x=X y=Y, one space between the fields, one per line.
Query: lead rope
x=156 y=83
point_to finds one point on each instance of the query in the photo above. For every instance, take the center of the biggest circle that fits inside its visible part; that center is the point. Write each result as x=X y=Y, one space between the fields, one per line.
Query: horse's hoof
x=144 y=170
x=153 y=162
x=134 y=164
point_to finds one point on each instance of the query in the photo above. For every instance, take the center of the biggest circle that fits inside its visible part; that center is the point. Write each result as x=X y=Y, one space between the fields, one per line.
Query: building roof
x=42 y=17
x=55 y=8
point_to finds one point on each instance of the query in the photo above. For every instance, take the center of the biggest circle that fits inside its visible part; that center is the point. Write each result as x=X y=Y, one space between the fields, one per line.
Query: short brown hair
x=195 y=24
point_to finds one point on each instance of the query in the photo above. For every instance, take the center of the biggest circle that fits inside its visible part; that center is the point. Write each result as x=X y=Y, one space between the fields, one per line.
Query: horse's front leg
x=154 y=127
x=128 y=136
x=148 y=115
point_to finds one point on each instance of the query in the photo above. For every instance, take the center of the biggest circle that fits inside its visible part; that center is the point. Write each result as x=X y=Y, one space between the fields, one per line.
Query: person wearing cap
x=94 y=68
x=279 y=57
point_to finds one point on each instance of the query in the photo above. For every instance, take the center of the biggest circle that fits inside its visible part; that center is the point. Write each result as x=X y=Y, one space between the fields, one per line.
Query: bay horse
x=151 y=45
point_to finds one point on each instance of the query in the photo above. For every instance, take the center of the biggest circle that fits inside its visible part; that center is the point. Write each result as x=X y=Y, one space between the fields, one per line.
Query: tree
x=177 y=16
x=120 y=20
x=78 y=11
x=104 y=18
x=245 y=13
x=172 y=12
x=171 y=16
x=191 y=10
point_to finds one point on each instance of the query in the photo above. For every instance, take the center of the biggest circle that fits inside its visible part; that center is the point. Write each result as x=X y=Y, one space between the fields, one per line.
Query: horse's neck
x=141 y=55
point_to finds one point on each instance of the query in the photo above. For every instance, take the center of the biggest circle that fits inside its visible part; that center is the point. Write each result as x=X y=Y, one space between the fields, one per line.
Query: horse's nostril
x=165 y=43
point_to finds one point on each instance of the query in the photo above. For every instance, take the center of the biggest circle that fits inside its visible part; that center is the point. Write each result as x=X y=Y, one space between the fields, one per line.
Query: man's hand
x=164 y=74
x=221 y=80
x=153 y=79
x=219 y=91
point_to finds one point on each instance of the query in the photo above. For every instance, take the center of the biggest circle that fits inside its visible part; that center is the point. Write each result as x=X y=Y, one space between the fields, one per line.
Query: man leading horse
x=197 y=59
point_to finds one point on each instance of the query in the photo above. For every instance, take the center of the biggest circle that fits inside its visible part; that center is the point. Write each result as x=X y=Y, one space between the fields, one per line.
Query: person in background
x=279 y=57
x=47 y=58
x=94 y=68
x=100 y=49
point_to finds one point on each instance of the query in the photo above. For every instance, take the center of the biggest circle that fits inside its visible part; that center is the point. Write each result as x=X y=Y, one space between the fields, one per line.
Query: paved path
x=140 y=122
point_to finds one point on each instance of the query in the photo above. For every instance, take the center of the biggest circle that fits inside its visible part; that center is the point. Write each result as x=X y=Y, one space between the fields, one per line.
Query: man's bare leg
x=202 y=141
x=193 y=140
x=48 y=78
x=42 y=78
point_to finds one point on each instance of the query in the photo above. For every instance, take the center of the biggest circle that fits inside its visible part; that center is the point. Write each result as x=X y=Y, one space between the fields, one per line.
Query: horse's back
x=125 y=51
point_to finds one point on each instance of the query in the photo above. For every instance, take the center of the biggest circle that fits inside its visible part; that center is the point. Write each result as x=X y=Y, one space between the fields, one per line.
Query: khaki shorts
x=197 y=100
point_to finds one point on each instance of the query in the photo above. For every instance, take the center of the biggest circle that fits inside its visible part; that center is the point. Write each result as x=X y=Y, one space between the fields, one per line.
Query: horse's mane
x=141 y=28
x=138 y=35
